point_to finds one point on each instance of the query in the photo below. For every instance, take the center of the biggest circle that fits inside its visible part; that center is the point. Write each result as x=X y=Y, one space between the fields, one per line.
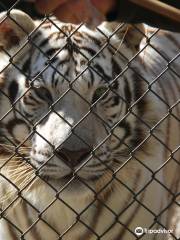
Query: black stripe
x=26 y=67
x=91 y=51
x=33 y=97
x=93 y=39
x=28 y=115
x=51 y=51
x=116 y=101
x=37 y=34
x=55 y=79
x=91 y=78
x=128 y=95
x=44 y=42
x=13 y=90
x=27 y=101
x=138 y=92
x=101 y=72
x=44 y=94
x=138 y=136
x=116 y=69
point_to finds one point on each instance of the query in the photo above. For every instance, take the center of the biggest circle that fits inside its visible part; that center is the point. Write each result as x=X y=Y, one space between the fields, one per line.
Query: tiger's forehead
x=65 y=51
x=53 y=27
x=54 y=24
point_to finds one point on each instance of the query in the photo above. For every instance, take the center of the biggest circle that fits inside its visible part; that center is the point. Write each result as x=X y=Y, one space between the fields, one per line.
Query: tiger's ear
x=127 y=33
x=14 y=27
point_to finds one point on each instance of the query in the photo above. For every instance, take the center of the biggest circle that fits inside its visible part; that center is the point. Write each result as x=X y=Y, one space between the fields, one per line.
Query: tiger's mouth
x=63 y=169
x=76 y=168
x=74 y=183
x=72 y=178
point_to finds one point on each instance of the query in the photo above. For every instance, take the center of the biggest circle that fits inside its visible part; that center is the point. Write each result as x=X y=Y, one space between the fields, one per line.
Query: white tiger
x=89 y=131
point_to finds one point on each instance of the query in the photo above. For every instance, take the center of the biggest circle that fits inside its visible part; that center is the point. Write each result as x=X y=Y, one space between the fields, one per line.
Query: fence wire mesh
x=84 y=143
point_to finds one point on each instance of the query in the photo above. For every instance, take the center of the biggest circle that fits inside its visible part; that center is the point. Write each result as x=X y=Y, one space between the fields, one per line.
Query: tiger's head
x=66 y=95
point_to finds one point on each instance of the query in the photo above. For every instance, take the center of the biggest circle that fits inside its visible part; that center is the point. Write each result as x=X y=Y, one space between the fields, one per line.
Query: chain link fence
x=107 y=183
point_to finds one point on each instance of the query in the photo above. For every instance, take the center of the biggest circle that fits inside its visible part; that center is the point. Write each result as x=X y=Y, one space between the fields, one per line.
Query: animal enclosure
x=88 y=118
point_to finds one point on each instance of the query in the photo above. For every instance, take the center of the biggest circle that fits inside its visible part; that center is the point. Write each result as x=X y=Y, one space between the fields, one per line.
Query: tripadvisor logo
x=139 y=231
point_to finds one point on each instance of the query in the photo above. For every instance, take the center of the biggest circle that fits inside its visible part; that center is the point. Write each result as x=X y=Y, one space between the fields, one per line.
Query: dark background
x=26 y=6
x=126 y=11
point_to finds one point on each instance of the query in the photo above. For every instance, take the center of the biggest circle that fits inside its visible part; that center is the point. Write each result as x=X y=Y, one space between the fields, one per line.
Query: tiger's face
x=70 y=102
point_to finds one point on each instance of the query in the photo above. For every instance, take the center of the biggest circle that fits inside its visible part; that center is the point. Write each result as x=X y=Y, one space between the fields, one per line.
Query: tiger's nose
x=72 y=158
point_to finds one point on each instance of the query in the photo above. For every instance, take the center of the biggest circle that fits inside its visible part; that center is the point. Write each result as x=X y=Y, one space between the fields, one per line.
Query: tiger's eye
x=98 y=93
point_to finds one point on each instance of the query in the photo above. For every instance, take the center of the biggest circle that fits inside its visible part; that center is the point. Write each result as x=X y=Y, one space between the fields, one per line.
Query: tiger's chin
x=72 y=182
x=75 y=184
x=69 y=181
